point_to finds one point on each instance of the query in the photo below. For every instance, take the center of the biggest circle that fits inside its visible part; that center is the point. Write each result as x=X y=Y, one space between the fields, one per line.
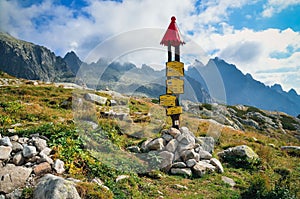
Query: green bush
x=288 y=122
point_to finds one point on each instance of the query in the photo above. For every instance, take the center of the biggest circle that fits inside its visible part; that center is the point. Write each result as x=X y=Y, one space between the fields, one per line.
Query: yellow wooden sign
x=174 y=110
x=175 y=86
x=175 y=68
x=167 y=100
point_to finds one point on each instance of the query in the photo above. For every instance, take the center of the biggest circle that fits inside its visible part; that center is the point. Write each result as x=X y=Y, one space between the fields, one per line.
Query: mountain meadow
x=61 y=137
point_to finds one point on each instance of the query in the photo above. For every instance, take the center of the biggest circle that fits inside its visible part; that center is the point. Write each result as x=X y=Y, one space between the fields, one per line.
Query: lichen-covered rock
x=12 y=177
x=53 y=187
x=156 y=144
x=166 y=160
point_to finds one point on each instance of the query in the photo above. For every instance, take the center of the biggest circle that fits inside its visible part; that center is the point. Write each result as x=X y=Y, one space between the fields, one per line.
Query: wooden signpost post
x=174 y=73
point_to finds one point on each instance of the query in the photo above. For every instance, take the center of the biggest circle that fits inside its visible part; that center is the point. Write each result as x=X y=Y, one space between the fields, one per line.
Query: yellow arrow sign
x=167 y=100
x=175 y=68
x=174 y=110
x=175 y=86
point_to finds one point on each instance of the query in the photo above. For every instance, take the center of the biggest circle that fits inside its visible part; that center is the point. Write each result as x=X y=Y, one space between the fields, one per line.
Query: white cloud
x=276 y=6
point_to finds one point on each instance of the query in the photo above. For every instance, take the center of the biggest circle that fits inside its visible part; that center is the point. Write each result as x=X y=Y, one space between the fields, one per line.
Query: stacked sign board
x=175 y=86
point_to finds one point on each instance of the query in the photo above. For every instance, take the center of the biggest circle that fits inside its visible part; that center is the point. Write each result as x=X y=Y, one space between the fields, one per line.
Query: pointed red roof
x=172 y=35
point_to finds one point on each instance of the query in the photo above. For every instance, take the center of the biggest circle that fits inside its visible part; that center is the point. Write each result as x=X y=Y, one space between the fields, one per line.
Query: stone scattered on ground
x=54 y=187
x=228 y=181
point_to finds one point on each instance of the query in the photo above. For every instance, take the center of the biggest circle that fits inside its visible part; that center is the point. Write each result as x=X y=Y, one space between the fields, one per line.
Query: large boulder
x=166 y=160
x=53 y=187
x=13 y=177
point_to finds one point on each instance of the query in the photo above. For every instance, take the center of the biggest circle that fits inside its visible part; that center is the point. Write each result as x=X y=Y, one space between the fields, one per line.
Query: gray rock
x=12 y=177
x=181 y=171
x=179 y=165
x=45 y=158
x=156 y=144
x=215 y=162
x=297 y=148
x=29 y=151
x=46 y=151
x=186 y=137
x=5 y=141
x=202 y=168
x=167 y=137
x=16 y=194
x=204 y=155
x=251 y=123
x=39 y=143
x=189 y=154
x=207 y=143
x=133 y=149
x=122 y=177
x=53 y=187
x=241 y=151
x=174 y=132
x=144 y=145
x=191 y=162
x=23 y=140
x=5 y=152
x=16 y=146
x=179 y=187
x=95 y=98
x=58 y=166
x=172 y=145
x=14 y=138
x=2 y=196
x=18 y=159
x=228 y=181
x=166 y=160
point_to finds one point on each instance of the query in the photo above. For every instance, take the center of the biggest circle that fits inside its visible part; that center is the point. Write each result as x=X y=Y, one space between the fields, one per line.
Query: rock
x=53 y=187
x=238 y=152
x=166 y=160
x=122 y=177
x=5 y=152
x=189 y=154
x=251 y=123
x=156 y=144
x=29 y=151
x=179 y=187
x=5 y=141
x=202 y=168
x=11 y=130
x=23 y=140
x=228 y=181
x=144 y=145
x=133 y=149
x=297 y=148
x=14 y=138
x=16 y=146
x=215 y=162
x=46 y=151
x=42 y=168
x=39 y=143
x=18 y=159
x=186 y=137
x=207 y=143
x=100 y=183
x=174 y=132
x=204 y=155
x=16 y=194
x=95 y=98
x=2 y=196
x=191 y=162
x=182 y=171
x=172 y=145
x=12 y=177
x=167 y=137
x=45 y=158
x=58 y=166
x=179 y=165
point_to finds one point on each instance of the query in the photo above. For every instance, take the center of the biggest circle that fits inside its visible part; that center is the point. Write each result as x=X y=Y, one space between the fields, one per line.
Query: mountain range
x=217 y=81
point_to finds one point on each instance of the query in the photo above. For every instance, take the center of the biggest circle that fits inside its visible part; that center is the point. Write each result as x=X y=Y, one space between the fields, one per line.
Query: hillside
x=94 y=144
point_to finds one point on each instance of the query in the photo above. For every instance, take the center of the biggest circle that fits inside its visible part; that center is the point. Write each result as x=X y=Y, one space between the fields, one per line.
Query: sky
x=261 y=37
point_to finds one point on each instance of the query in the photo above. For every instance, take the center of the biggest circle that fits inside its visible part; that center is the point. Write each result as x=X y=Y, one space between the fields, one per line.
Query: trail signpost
x=174 y=73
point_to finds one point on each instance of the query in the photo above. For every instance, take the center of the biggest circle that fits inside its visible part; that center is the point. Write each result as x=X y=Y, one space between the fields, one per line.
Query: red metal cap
x=172 y=35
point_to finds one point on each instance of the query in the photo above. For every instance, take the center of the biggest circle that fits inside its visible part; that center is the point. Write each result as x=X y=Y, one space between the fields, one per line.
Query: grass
x=100 y=152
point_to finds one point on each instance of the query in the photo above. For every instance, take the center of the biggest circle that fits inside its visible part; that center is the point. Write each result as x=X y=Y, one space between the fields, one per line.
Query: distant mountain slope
x=30 y=61
x=243 y=89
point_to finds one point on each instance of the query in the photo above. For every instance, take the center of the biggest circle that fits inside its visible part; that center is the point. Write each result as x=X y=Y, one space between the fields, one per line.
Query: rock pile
x=22 y=159
x=180 y=152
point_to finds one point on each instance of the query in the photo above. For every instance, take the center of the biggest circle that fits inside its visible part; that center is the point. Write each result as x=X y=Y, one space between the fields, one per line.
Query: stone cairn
x=181 y=153
x=22 y=159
